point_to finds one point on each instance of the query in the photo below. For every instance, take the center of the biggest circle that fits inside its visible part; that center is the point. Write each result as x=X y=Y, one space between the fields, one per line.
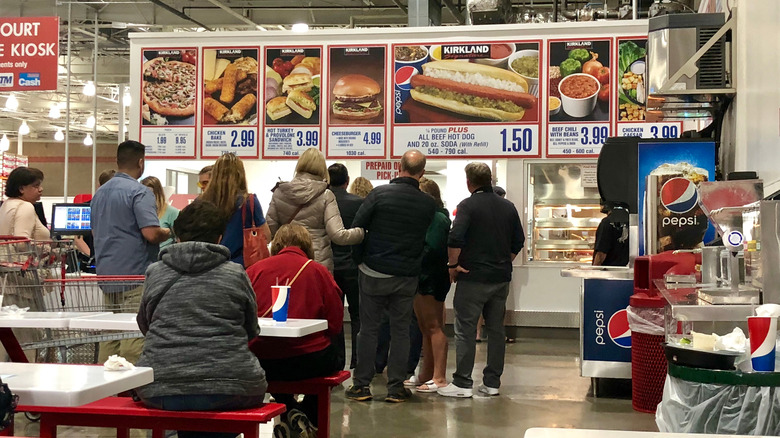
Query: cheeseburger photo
x=473 y=89
x=356 y=97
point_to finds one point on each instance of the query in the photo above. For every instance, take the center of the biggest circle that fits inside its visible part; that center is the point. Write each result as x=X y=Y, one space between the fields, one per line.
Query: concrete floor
x=541 y=388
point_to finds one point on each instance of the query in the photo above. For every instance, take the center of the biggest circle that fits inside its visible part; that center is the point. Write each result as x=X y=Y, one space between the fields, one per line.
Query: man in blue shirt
x=127 y=234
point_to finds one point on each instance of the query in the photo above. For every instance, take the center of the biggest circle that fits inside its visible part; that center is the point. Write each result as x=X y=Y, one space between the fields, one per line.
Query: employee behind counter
x=611 y=248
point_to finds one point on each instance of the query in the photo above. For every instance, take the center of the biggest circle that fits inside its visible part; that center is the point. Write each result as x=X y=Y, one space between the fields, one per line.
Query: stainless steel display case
x=563 y=211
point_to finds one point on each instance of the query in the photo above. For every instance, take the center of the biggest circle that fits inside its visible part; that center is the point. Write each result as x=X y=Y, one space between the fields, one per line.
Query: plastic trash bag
x=649 y=321
x=692 y=407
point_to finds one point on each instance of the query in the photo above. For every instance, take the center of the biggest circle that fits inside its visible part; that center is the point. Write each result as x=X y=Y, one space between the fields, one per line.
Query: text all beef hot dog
x=473 y=89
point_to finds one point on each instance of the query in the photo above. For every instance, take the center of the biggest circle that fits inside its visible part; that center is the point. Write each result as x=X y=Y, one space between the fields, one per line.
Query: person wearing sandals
x=228 y=191
x=307 y=201
x=193 y=297
x=313 y=295
x=431 y=293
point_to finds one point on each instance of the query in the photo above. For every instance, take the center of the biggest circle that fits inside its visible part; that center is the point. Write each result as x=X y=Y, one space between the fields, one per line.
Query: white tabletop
x=293 y=328
x=547 y=432
x=68 y=385
x=43 y=319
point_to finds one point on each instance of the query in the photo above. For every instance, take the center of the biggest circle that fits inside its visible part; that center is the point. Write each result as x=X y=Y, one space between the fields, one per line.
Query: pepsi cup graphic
x=280 y=296
x=408 y=62
x=680 y=221
x=763 y=334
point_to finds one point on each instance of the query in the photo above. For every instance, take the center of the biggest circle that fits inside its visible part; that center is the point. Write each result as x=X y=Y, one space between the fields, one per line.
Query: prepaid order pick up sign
x=28 y=53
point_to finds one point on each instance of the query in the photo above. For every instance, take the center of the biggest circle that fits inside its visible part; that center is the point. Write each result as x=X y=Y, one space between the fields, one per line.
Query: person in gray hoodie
x=307 y=201
x=198 y=313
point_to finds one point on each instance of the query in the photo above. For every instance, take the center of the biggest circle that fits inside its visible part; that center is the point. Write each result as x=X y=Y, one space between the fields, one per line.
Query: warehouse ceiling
x=116 y=19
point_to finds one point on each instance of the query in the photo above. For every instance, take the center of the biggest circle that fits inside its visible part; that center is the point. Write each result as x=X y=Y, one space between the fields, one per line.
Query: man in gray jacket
x=198 y=313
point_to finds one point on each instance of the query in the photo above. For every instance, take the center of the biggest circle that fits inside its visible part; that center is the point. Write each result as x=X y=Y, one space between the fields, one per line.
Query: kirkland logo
x=29 y=79
x=6 y=80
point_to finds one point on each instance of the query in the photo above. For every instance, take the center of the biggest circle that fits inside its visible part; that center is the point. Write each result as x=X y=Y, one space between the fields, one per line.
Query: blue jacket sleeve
x=259 y=216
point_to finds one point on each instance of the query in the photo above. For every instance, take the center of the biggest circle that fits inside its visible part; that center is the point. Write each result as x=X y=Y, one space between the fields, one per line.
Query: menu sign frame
x=236 y=132
x=364 y=129
x=451 y=131
x=291 y=133
x=169 y=135
x=580 y=125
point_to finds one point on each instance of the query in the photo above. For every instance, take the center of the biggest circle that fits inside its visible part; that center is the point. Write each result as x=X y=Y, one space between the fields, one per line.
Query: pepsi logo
x=679 y=195
x=403 y=77
x=618 y=329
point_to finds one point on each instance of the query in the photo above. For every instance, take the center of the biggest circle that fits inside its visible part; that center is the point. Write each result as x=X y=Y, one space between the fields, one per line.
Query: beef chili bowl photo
x=579 y=94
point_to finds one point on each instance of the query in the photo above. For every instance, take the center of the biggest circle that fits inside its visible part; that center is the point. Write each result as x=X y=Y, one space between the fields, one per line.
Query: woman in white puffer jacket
x=307 y=201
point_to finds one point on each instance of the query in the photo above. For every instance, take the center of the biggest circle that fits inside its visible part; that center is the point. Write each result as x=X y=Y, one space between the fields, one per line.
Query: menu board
x=470 y=99
x=230 y=83
x=169 y=92
x=291 y=96
x=355 y=112
x=579 y=96
x=632 y=93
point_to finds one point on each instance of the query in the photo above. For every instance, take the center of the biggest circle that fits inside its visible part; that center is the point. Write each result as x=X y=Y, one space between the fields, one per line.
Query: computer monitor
x=71 y=219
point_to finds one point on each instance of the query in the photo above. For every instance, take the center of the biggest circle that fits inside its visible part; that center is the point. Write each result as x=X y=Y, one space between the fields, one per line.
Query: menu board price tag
x=650 y=130
x=522 y=141
x=356 y=142
x=290 y=142
x=577 y=139
x=169 y=142
x=240 y=141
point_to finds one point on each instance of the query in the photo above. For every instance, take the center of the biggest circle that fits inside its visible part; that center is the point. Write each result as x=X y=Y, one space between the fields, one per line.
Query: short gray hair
x=478 y=174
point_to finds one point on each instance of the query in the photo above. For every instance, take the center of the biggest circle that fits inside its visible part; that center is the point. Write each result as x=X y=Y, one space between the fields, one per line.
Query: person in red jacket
x=313 y=295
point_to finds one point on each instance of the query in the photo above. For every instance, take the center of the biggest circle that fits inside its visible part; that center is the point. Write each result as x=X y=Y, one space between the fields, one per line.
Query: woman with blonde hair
x=228 y=191
x=307 y=201
x=361 y=187
x=166 y=213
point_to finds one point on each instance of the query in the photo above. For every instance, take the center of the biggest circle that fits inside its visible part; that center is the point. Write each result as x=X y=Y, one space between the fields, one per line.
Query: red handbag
x=255 y=243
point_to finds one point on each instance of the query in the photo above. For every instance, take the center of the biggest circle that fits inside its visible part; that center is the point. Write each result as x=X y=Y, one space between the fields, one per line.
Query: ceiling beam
x=235 y=14
x=179 y=14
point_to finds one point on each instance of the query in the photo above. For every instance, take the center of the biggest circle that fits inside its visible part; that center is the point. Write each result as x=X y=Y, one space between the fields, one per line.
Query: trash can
x=648 y=362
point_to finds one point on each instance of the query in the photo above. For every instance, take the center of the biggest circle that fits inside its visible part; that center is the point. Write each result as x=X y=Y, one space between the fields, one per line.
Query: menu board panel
x=475 y=99
x=169 y=94
x=230 y=104
x=631 y=91
x=579 y=96
x=356 y=101
x=291 y=96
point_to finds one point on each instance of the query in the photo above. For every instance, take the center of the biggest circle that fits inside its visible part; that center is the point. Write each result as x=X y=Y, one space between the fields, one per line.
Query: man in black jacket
x=396 y=217
x=486 y=237
x=345 y=270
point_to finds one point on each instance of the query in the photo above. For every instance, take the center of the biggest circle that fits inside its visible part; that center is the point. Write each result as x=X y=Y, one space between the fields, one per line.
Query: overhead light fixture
x=4 y=143
x=90 y=122
x=54 y=112
x=126 y=99
x=89 y=89
x=24 y=128
x=300 y=27
x=258 y=27
x=88 y=140
x=281 y=27
x=12 y=103
x=125 y=128
x=59 y=136
x=61 y=70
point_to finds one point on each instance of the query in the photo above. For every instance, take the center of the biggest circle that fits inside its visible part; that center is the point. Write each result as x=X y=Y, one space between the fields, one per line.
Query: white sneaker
x=454 y=391
x=486 y=390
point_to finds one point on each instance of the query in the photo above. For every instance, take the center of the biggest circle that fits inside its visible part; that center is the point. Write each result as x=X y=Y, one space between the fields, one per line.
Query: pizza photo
x=168 y=87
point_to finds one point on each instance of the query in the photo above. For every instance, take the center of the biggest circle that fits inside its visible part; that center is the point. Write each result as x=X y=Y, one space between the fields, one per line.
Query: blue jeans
x=204 y=403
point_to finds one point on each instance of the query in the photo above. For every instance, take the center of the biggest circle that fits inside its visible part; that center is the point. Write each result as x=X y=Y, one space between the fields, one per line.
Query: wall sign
x=169 y=102
x=230 y=116
x=380 y=169
x=29 y=48
x=578 y=96
x=356 y=100
x=292 y=96
x=467 y=99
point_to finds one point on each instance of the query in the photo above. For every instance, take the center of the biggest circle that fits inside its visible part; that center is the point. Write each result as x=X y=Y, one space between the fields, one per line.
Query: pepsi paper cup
x=408 y=62
x=280 y=295
x=763 y=334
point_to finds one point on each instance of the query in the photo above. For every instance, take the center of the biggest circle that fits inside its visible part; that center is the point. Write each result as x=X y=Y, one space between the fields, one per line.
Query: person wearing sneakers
x=396 y=217
x=486 y=237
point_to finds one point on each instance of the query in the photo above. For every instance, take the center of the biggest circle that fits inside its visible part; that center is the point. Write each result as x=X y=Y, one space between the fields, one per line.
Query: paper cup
x=763 y=334
x=281 y=297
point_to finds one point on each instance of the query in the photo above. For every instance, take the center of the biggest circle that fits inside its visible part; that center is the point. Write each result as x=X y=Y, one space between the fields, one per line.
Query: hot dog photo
x=476 y=82
x=292 y=86
x=230 y=78
x=356 y=85
x=579 y=87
